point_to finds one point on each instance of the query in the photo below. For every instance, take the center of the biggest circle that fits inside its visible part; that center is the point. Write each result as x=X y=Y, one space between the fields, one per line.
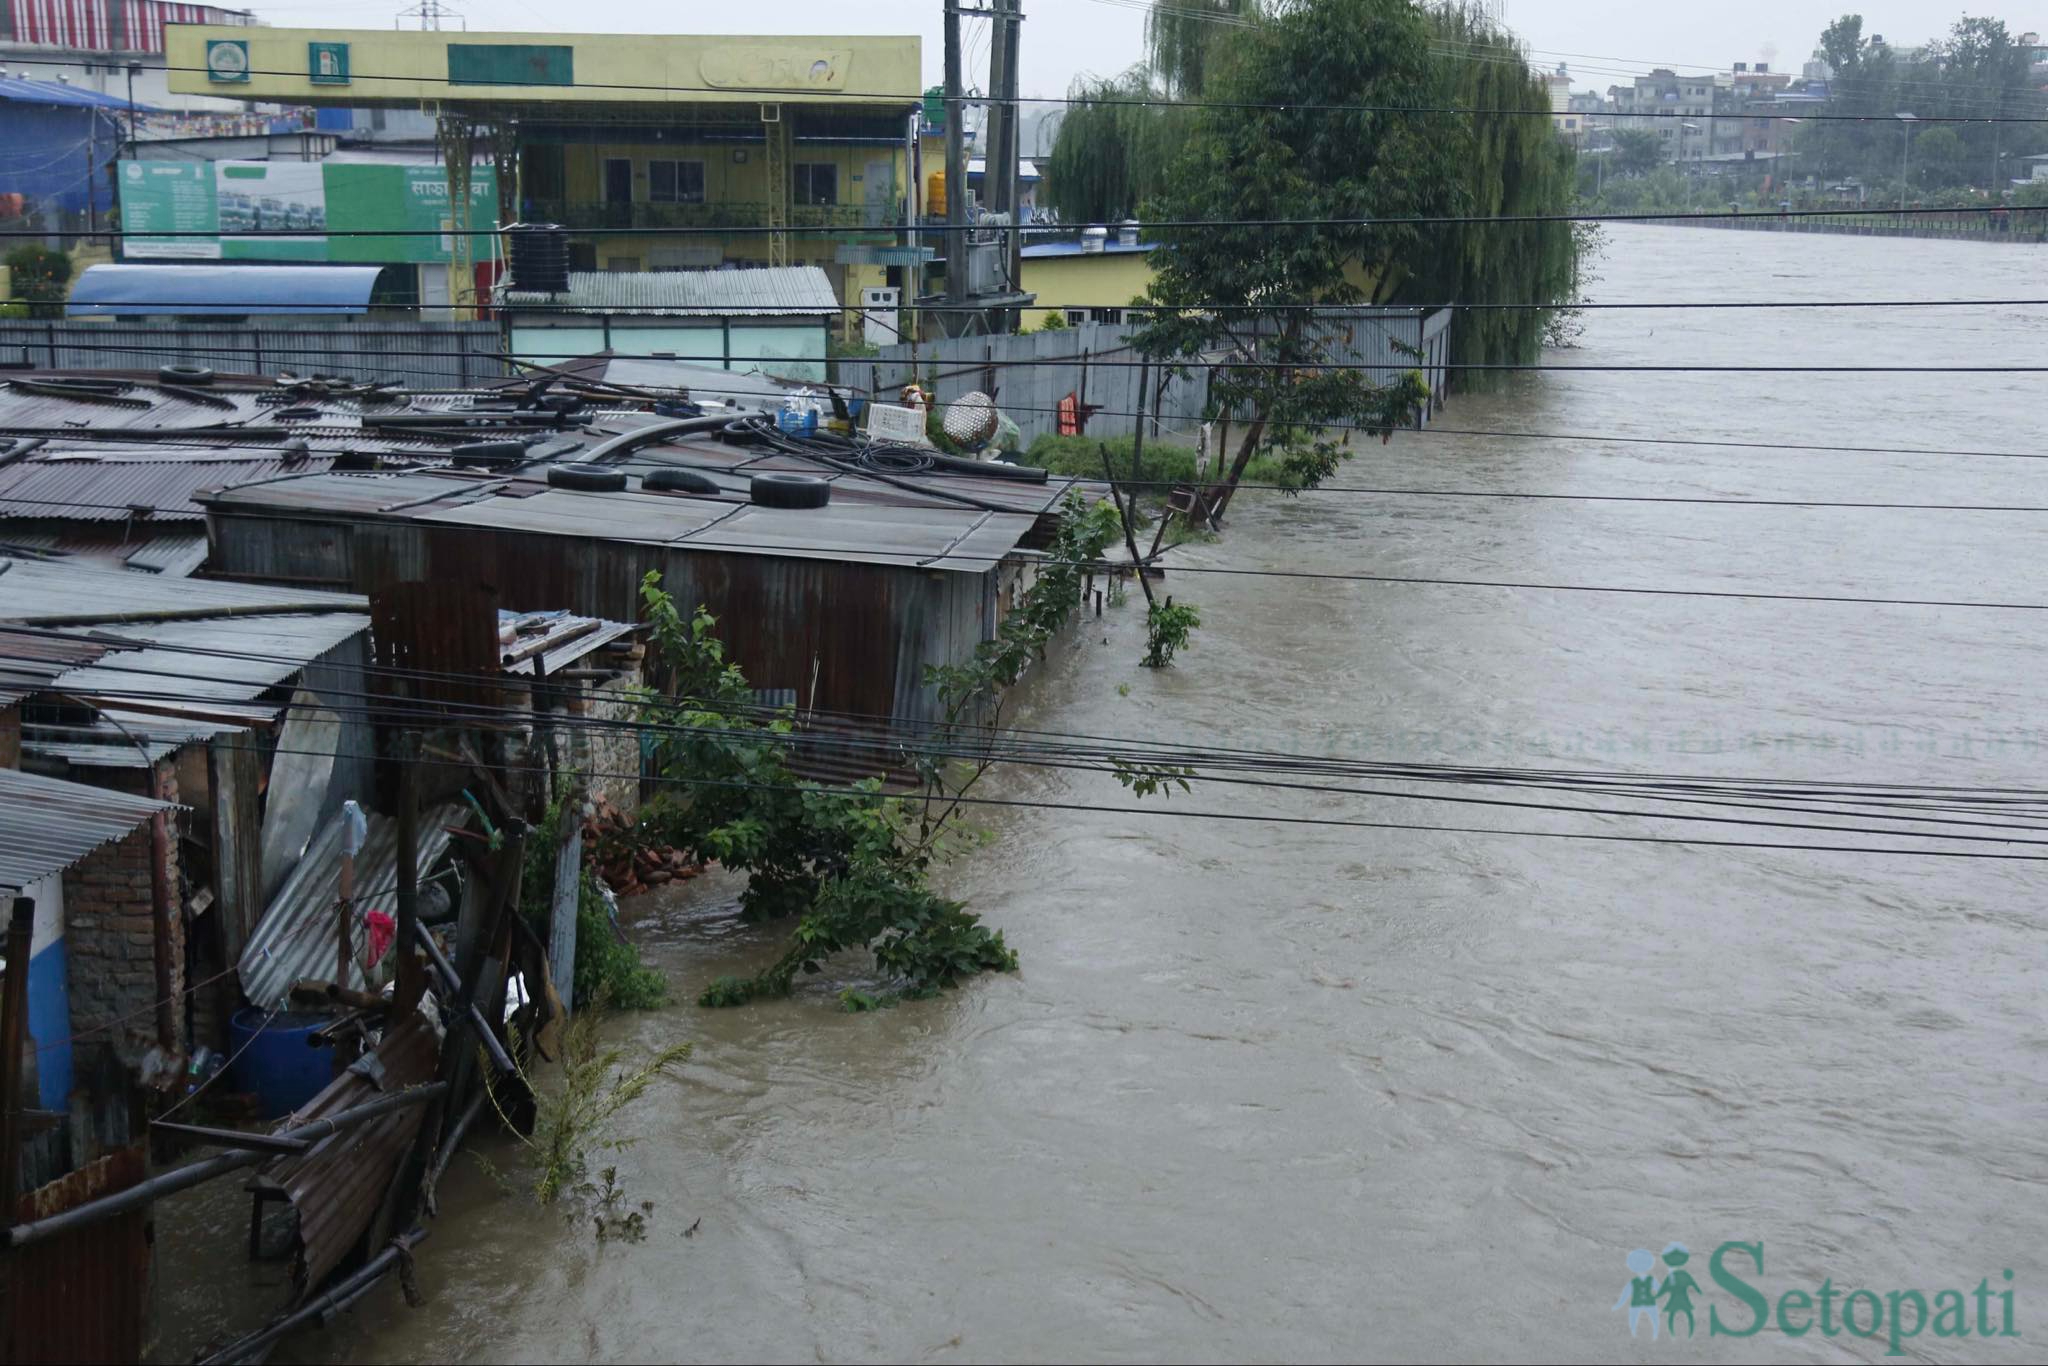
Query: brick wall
x=612 y=756
x=110 y=927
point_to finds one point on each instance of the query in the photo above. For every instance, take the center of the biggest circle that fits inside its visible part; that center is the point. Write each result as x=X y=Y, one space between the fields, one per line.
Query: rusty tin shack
x=837 y=609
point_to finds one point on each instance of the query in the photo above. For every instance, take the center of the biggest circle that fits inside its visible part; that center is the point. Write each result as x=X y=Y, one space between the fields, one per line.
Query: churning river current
x=1294 y=1092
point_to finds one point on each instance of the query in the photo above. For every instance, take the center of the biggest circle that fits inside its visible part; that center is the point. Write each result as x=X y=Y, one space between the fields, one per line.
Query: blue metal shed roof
x=24 y=91
x=1043 y=249
x=117 y=291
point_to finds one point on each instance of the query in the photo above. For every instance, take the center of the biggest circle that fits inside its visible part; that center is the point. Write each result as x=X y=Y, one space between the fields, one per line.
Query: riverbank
x=2028 y=226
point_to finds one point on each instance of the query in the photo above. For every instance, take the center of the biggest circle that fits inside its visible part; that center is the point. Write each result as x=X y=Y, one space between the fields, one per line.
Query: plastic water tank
x=279 y=1063
x=539 y=257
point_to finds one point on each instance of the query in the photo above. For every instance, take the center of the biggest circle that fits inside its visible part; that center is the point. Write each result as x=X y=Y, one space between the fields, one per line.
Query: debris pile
x=627 y=866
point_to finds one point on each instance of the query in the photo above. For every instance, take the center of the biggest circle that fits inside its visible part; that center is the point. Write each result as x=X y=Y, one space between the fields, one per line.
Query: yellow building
x=1083 y=286
x=620 y=135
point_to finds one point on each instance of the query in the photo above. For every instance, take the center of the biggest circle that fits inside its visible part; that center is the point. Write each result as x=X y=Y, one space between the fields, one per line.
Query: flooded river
x=1299 y=1092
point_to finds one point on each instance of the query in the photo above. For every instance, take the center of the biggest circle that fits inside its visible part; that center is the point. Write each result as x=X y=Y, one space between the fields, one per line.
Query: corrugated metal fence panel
x=423 y=355
x=1034 y=371
x=80 y=1295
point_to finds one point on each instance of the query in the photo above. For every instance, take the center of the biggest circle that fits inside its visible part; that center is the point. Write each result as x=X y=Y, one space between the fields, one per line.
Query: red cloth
x=383 y=929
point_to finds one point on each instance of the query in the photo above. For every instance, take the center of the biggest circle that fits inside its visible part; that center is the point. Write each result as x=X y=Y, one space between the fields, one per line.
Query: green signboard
x=227 y=59
x=327 y=63
x=304 y=209
x=511 y=64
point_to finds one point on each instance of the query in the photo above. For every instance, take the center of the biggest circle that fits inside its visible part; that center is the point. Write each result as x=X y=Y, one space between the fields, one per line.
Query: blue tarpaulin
x=56 y=142
x=135 y=291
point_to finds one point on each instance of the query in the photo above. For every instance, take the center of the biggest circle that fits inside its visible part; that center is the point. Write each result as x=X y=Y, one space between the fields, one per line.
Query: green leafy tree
x=1938 y=158
x=1315 y=200
x=1637 y=151
x=849 y=867
x=39 y=277
x=1113 y=148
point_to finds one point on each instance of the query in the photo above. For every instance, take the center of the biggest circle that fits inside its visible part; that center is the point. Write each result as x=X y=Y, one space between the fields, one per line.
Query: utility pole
x=1012 y=26
x=956 y=175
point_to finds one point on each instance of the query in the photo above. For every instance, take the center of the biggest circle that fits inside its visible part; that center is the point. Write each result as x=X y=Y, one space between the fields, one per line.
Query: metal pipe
x=164 y=902
x=500 y=1059
x=36 y=1231
x=324 y=1306
x=653 y=434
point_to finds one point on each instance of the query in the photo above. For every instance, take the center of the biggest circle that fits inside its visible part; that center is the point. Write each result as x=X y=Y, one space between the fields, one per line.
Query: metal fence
x=1095 y=366
x=449 y=355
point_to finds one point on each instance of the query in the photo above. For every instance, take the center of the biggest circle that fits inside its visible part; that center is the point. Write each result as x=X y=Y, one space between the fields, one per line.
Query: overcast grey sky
x=1604 y=41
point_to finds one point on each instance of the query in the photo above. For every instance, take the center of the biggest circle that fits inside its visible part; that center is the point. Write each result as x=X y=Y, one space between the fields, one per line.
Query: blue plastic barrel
x=278 y=1063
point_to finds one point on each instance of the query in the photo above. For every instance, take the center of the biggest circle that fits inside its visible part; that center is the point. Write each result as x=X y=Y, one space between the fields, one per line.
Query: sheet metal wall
x=80 y=1296
x=421 y=354
x=861 y=633
x=1030 y=374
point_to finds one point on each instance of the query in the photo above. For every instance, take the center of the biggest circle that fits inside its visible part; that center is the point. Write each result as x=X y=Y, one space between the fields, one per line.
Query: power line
x=1260 y=818
x=908 y=99
x=1305 y=366
x=445 y=715
x=1337 y=315
x=1093 y=757
x=1099 y=743
x=129 y=435
x=1175 y=225
x=158 y=514
x=1075 y=759
x=912 y=558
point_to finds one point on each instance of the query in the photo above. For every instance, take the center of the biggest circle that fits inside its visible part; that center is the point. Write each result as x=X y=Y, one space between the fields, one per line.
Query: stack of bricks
x=110 y=926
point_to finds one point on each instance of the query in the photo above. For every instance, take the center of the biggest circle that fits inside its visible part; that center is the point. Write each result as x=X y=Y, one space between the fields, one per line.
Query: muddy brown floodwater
x=1297 y=1092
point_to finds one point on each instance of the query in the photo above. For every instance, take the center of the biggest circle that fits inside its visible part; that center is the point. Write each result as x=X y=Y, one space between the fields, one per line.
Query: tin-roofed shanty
x=842 y=604
x=193 y=659
x=770 y=319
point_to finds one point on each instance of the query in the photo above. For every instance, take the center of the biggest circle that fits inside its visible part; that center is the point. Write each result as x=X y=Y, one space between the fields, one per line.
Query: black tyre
x=194 y=375
x=680 y=481
x=590 y=478
x=773 y=490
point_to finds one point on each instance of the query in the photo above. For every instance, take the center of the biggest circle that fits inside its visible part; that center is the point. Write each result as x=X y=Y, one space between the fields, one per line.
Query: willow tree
x=1185 y=40
x=1304 y=171
x=1115 y=142
x=1510 y=165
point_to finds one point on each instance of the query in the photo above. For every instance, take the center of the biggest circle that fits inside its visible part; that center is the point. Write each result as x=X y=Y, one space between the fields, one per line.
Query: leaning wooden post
x=568 y=892
x=411 y=972
x=1130 y=538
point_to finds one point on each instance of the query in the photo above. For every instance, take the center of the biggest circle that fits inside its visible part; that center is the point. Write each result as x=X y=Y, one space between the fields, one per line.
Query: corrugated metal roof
x=778 y=290
x=191 y=680
x=339 y=1186
x=188 y=289
x=172 y=556
x=110 y=487
x=31 y=664
x=555 y=639
x=866 y=522
x=46 y=824
x=296 y=937
x=53 y=591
